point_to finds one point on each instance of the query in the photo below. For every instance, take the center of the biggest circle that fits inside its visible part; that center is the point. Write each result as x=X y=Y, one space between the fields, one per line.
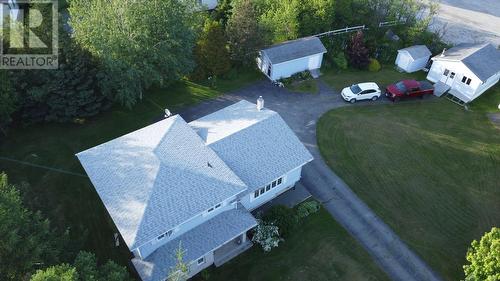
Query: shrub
x=307 y=208
x=283 y=217
x=267 y=235
x=340 y=60
x=374 y=65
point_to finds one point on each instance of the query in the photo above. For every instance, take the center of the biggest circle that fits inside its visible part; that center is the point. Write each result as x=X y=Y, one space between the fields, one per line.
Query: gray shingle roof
x=295 y=49
x=257 y=145
x=418 y=51
x=482 y=59
x=197 y=242
x=157 y=177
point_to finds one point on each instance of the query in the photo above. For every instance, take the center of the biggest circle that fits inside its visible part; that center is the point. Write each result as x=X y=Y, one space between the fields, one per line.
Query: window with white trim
x=267 y=188
x=201 y=260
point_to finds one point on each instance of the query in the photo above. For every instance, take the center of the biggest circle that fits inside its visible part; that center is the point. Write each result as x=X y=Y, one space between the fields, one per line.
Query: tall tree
x=212 y=54
x=484 y=258
x=139 y=43
x=316 y=16
x=7 y=101
x=244 y=31
x=357 y=52
x=281 y=19
x=26 y=239
x=223 y=11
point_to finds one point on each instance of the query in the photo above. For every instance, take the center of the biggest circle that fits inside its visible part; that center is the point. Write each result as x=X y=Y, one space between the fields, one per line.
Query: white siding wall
x=289 y=181
x=287 y=69
x=486 y=85
x=408 y=64
x=194 y=267
x=148 y=248
x=403 y=60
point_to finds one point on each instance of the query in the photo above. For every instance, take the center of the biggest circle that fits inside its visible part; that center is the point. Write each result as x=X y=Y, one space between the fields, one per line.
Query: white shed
x=466 y=70
x=413 y=58
x=285 y=59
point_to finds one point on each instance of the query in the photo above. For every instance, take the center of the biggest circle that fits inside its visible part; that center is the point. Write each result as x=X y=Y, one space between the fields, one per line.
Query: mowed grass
x=488 y=101
x=319 y=249
x=431 y=170
x=339 y=79
x=71 y=201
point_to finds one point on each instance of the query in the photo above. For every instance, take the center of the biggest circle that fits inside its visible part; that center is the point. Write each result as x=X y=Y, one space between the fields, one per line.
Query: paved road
x=301 y=112
x=468 y=21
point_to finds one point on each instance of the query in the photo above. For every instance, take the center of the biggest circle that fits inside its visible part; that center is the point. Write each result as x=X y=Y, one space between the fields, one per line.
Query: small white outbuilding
x=413 y=58
x=285 y=59
x=466 y=71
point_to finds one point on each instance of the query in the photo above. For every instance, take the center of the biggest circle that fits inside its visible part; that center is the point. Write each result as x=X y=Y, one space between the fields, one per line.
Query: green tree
x=181 y=270
x=7 y=101
x=212 y=54
x=86 y=265
x=316 y=16
x=223 y=11
x=26 y=239
x=139 y=43
x=63 y=272
x=281 y=19
x=244 y=31
x=484 y=258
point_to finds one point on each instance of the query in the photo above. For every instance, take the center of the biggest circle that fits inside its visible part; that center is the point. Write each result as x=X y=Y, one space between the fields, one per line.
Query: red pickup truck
x=408 y=88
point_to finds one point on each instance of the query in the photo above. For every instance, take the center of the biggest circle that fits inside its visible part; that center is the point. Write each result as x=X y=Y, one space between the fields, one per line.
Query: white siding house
x=285 y=59
x=467 y=70
x=413 y=58
x=194 y=184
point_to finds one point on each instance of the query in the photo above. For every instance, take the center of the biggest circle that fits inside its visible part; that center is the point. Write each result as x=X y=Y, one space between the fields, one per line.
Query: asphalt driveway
x=301 y=112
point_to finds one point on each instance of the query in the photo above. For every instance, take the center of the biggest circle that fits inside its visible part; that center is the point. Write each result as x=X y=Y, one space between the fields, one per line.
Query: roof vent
x=167 y=113
x=260 y=103
x=442 y=53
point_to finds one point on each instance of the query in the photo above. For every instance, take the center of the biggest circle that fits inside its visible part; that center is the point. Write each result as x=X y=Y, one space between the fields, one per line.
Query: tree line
x=117 y=49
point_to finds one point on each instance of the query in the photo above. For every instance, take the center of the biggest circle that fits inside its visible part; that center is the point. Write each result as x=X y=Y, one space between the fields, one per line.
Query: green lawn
x=339 y=79
x=488 y=101
x=428 y=168
x=70 y=201
x=320 y=249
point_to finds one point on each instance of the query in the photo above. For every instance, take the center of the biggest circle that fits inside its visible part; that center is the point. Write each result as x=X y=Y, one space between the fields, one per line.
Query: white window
x=218 y=205
x=280 y=180
x=256 y=194
x=201 y=260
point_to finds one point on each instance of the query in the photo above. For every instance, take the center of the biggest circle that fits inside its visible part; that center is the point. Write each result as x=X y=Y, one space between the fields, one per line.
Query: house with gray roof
x=285 y=59
x=413 y=58
x=194 y=184
x=466 y=70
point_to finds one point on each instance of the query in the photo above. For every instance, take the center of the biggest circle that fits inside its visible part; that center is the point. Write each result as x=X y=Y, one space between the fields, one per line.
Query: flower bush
x=267 y=235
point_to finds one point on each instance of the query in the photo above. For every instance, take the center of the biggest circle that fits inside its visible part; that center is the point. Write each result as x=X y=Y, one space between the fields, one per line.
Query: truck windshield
x=355 y=89
x=401 y=87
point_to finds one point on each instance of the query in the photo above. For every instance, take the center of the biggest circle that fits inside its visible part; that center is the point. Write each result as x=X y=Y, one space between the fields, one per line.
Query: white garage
x=285 y=59
x=413 y=58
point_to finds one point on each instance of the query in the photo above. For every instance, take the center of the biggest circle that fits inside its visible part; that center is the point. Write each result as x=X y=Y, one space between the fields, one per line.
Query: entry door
x=448 y=77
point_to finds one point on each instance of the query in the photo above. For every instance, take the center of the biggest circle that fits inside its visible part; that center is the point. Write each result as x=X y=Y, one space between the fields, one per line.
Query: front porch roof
x=197 y=242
